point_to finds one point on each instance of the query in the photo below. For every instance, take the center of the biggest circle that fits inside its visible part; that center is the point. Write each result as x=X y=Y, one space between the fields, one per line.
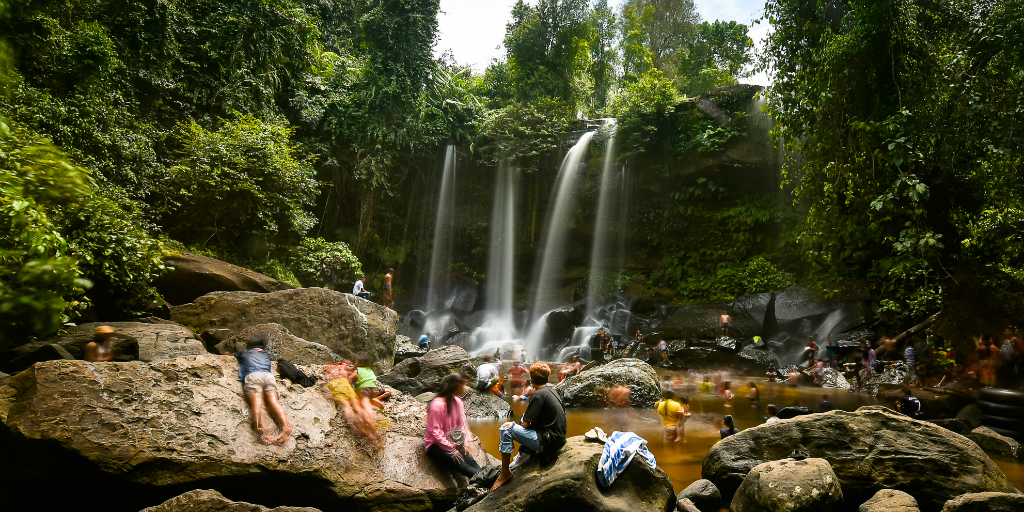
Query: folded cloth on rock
x=618 y=453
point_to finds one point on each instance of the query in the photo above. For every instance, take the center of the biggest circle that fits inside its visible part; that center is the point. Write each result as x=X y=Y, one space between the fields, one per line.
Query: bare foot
x=263 y=437
x=283 y=437
x=503 y=479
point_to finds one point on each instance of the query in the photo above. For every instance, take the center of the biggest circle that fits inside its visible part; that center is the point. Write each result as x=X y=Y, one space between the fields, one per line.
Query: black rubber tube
x=1006 y=411
x=1003 y=396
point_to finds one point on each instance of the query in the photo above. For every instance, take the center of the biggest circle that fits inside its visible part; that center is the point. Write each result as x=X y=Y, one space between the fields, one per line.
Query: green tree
x=603 y=55
x=670 y=31
x=721 y=53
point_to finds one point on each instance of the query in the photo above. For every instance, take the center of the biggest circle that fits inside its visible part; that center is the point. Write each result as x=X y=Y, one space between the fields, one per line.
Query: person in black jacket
x=542 y=430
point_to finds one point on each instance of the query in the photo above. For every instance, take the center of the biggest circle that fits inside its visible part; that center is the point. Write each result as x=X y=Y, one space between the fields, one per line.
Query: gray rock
x=832 y=379
x=26 y=355
x=191 y=276
x=797 y=302
x=4 y=378
x=890 y=500
x=685 y=505
x=570 y=484
x=703 y=495
x=213 y=501
x=588 y=389
x=871 y=449
x=986 y=502
x=282 y=345
x=792 y=412
x=485 y=405
x=962 y=427
x=702 y=321
x=405 y=348
x=335 y=320
x=972 y=414
x=994 y=443
x=423 y=374
x=184 y=422
x=792 y=485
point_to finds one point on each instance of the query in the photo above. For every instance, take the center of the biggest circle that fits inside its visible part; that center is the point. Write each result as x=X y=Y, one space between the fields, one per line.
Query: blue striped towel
x=618 y=452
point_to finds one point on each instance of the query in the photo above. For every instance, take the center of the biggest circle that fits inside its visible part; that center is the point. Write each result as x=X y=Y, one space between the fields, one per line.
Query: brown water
x=682 y=461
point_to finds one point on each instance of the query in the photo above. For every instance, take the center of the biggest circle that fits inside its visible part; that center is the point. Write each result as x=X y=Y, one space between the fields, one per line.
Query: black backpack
x=290 y=372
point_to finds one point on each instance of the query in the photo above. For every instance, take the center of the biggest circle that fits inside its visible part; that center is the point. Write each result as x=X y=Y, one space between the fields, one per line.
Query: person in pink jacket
x=447 y=429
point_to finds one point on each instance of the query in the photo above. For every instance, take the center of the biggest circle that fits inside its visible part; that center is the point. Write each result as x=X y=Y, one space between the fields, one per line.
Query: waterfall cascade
x=599 y=252
x=444 y=227
x=499 y=328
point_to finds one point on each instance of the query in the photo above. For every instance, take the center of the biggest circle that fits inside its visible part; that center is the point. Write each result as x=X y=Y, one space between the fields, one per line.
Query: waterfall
x=599 y=251
x=552 y=251
x=444 y=227
x=498 y=329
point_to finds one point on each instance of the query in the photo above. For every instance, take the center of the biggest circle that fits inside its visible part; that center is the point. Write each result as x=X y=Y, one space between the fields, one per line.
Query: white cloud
x=474 y=29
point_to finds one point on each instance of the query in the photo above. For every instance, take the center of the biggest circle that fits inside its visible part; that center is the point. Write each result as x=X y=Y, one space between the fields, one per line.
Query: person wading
x=542 y=430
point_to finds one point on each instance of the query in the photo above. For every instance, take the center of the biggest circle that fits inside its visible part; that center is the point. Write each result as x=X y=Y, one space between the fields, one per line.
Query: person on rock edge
x=260 y=387
x=386 y=296
x=542 y=430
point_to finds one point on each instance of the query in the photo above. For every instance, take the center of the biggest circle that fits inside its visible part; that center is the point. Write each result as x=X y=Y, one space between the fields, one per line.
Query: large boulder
x=589 y=388
x=190 y=276
x=798 y=302
x=997 y=444
x=698 y=321
x=792 y=485
x=282 y=345
x=422 y=374
x=986 y=502
x=340 y=321
x=570 y=483
x=870 y=449
x=485 y=406
x=183 y=422
x=890 y=500
x=703 y=495
x=208 y=500
x=405 y=348
x=132 y=340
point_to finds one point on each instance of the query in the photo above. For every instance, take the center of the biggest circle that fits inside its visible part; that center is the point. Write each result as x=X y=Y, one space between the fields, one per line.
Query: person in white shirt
x=772 y=411
x=486 y=374
x=358 y=289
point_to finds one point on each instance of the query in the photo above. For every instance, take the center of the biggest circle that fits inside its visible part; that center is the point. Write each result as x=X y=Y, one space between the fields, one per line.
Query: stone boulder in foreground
x=183 y=422
x=869 y=450
x=807 y=485
x=985 y=502
x=589 y=388
x=570 y=483
x=336 y=320
x=205 y=500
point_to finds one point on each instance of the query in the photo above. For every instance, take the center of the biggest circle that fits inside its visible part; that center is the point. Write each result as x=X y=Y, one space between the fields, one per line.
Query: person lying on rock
x=448 y=429
x=542 y=430
x=260 y=389
x=366 y=382
x=101 y=348
x=338 y=379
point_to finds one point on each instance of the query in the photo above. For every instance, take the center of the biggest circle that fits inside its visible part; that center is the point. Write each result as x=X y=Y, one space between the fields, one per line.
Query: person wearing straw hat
x=102 y=346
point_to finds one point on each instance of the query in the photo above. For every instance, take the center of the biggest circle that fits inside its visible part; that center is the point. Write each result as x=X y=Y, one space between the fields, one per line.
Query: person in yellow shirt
x=674 y=413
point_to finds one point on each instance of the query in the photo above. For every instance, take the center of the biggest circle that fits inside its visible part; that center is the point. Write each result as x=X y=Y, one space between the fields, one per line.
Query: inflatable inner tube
x=1006 y=411
x=1003 y=396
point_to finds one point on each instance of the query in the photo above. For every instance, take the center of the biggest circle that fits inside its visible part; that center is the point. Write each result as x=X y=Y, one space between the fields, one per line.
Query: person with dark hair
x=909 y=405
x=825 y=405
x=424 y=341
x=729 y=427
x=385 y=298
x=259 y=387
x=754 y=395
x=772 y=411
x=542 y=430
x=447 y=428
x=358 y=289
x=571 y=369
x=674 y=414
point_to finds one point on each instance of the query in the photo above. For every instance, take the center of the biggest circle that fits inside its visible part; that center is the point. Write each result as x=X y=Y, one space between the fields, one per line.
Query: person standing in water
x=754 y=395
x=386 y=296
x=728 y=427
x=101 y=348
x=674 y=414
x=725 y=323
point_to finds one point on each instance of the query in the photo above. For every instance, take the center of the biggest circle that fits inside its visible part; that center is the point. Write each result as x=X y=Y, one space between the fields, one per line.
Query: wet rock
x=211 y=337
x=335 y=320
x=442 y=325
x=4 y=378
x=685 y=505
x=567 y=317
x=792 y=412
x=986 y=502
x=890 y=500
x=191 y=276
x=703 y=495
x=485 y=405
x=405 y=348
x=588 y=389
x=851 y=339
x=23 y=356
x=832 y=379
x=869 y=450
x=416 y=318
x=994 y=443
x=699 y=321
x=793 y=485
x=422 y=374
x=283 y=345
x=798 y=302
x=570 y=483
x=959 y=426
x=933 y=404
x=759 y=357
x=972 y=414
x=458 y=292
x=894 y=373
x=210 y=501
x=188 y=424
x=748 y=312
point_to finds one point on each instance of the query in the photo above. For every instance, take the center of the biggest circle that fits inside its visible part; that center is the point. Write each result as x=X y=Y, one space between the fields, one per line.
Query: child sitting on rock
x=366 y=382
x=338 y=379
